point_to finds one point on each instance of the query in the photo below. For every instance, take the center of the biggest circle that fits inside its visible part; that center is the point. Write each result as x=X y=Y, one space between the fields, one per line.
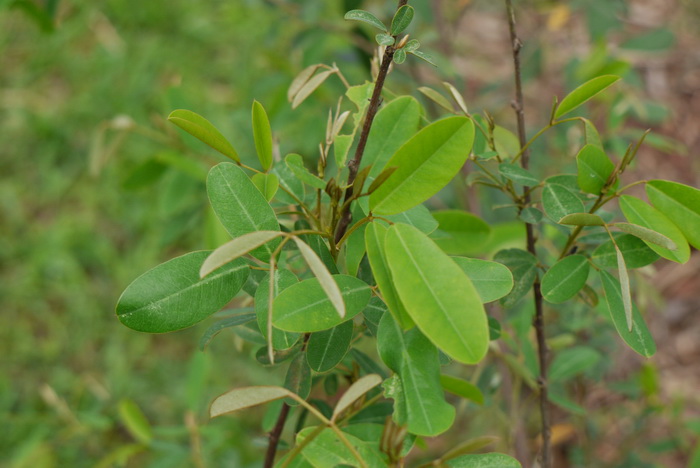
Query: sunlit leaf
x=582 y=219
x=460 y=232
x=680 y=203
x=262 y=134
x=203 y=130
x=267 y=184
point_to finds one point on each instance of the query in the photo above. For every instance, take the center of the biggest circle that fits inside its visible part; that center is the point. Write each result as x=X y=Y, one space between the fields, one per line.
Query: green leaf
x=310 y=86
x=642 y=214
x=639 y=339
x=240 y=206
x=523 y=266
x=326 y=449
x=365 y=17
x=305 y=307
x=680 y=203
x=298 y=379
x=634 y=250
x=402 y=19
x=456 y=95
x=262 y=134
x=507 y=143
x=242 y=398
x=384 y=39
x=594 y=169
x=423 y=56
x=647 y=235
x=492 y=280
x=235 y=249
x=394 y=125
x=288 y=183
x=341 y=148
x=418 y=217
x=462 y=388
x=212 y=331
x=583 y=93
x=460 y=232
x=325 y=280
x=325 y=349
x=375 y=236
x=591 y=135
x=296 y=164
x=417 y=392
x=565 y=278
x=283 y=279
x=437 y=294
x=204 y=131
x=355 y=250
x=582 y=219
x=657 y=40
x=135 y=421
x=411 y=45
x=572 y=362
x=559 y=202
x=484 y=460
x=267 y=184
x=437 y=98
x=355 y=391
x=400 y=56
x=624 y=287
x=171 y=296
x=517 y=174
x=531 y=215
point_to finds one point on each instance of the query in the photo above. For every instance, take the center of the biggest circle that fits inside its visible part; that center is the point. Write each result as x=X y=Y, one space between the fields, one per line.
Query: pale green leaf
x=384 y=39
x=247 y=397
x=135 y=421
x=624 y=287
x=284 y=279
x=517 y=174
x=456 y=95
x=484 y=460
x=365 y=17
x=582 y=219
x=267 y=184
x=356 y=390
x=492 y=280
x=460 y=232
x=423 y=56
x=636 y=253
x=648 y=235
x=437 y=98
x=300 y=80
x=203 y=130
x=400 y=56
x=296 y=164
x=235 y=249
x=310 y=86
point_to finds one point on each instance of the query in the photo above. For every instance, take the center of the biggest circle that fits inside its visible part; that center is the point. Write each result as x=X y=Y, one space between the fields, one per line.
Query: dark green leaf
x=531 y=215
x=583 y=93
x=565 y=278
x=298 y=379
x=523 y=266
x=325 y=349
x=657 y=40
x=400 y=56
x=402 y=19
x=222 y=324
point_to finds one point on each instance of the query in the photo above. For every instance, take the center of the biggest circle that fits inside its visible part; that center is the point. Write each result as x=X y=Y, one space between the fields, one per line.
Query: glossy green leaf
x=203 y=130
x=229 y=322
x=582 y=219
x=583 y=93
x=419 y=397
x=365 y=17
x=298 y=379
x=394 y=124
x=559 y=202
x=325 y=349
x=594 y=169
x=492 y=280
x=375 y=236
x=462 y=388
x=310 y=86
x=262 y=134
x=460 y=232
x=423 y=56
x=419 y=217
x=296 y=164
x=680 y=203
x=517 y=174
x=384 y=39
x=240 y=206
x=360 y=387
x=325 y=280
x=572 y=362
x=437 y=98
x=235 y=249
x=565 y=278
x=267 y=184
x=642 y=214
x=242 y=398
x=523 y=266
x=484 y=460
x=305 y=307
x=283 y=279
x=171 y=296
x=402 y=19
x=635 y=252
x=639 y=338
x=426 y=163
x=437 y=294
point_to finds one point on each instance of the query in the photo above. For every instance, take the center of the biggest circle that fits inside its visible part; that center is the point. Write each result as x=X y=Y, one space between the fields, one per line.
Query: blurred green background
x=96 y=188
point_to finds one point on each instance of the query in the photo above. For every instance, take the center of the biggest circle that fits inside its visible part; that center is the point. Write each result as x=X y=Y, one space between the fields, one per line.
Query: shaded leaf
x=572 y=362
x=559 y=202
x=296 y=164
x=460 y=232
x=283 y=279
x=437 y=98
x=325 y=280
x=634 y=250
x=212 y=331
x=523 y=266
x=325 y=349
x=300 y=80
x=298 y=379
x=517 y=174
x=310 y=86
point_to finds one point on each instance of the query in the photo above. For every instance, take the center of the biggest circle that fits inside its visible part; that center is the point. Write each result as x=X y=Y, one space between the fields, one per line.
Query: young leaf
x=565 y=278
x=365 y=17
x=411 y=46
x=309 y=87
x=638 y=212
x=171 y=296
x=356 y=390
x=573 y=361
x=456 y=95
x=559 y=202
x=296 y=164
x=639 y=339
x=647 y=235
x=247 y=397
x=583 y=93
x=321 y=272
x=462 y=388
x=492 y=280
x=236 y=248
x=636 y=253
x=301 y=80
x=203 y=130
x=262 y=134
x=384 y=39
x=484 y=460
x=460 y=232
x=582 y=219
x=305 y=307
x=325 y=349
x=240 y=206
x=680 y=203
x=399 y=56
x=624 y=287
x=437 y=294
x=523 y=266
x=423 y=56
x=437 y=98
x=267 y=184
x=375 y=236
x=284 y=279
x=517 y=174
x=594 y=169
x=402 y=19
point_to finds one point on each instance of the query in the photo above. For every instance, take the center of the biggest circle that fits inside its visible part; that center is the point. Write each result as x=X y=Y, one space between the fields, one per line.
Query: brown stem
x=275 y=436
x=518 y=105
x=354 y=164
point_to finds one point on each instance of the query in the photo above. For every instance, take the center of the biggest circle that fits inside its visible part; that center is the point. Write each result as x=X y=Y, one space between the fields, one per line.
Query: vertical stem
x=275 y=436
x=518 y=105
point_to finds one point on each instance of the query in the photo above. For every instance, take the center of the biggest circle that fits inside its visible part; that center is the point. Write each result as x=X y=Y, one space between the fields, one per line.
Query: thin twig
x=518 y=105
